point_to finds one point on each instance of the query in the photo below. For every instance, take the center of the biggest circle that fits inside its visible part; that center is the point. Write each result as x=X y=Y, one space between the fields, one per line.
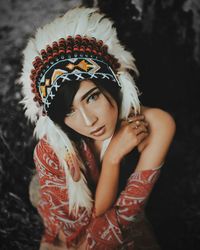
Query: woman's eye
x=93 y=97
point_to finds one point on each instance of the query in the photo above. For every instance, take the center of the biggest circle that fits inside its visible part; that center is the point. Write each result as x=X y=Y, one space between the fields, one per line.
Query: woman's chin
x=104 y=137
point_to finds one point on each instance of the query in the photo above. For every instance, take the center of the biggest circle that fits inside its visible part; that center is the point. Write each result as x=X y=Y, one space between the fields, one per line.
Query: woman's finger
x=139 y=130
x=136 y=117
x=137 y=124
x=136 y=121
x=142 y=136
x=141 y=123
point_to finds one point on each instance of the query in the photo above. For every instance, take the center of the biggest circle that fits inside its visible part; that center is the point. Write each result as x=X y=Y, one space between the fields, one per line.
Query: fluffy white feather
x=79 y=193
x=129 y=95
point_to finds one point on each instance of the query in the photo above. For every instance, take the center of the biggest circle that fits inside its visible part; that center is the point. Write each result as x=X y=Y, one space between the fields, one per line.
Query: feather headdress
x=89 y=23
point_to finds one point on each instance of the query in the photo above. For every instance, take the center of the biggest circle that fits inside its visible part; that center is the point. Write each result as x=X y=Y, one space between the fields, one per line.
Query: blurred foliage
x=194 y=7
x=19 y=221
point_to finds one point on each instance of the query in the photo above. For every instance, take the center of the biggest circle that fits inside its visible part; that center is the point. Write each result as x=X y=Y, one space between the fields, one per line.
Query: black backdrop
x=164 y=38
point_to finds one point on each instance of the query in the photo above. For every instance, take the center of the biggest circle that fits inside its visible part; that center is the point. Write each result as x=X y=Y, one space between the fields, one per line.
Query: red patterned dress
x=124 y=226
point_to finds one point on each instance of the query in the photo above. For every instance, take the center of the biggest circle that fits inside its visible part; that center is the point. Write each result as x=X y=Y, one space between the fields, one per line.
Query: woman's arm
x=155 y=147
x=107 y=187
x=107 y=231
x=153 y=152
x=122 y=143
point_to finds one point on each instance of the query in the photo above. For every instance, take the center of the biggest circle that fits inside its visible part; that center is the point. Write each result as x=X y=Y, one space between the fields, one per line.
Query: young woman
x=99 y=152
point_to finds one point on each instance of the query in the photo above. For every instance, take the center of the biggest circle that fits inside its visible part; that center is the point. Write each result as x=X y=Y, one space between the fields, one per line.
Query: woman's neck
x=97 y=147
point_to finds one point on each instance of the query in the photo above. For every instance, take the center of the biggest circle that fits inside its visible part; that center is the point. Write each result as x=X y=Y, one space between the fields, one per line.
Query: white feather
x=79 y=193
x=129 y=95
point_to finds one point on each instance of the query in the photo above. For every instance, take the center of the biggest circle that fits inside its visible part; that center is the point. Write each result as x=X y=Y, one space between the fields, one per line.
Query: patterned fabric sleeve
x=134 y=197
x=105 y=232
x=53 y=206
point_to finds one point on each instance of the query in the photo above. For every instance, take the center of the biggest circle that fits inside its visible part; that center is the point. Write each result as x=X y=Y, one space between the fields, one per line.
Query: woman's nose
x=88 y=117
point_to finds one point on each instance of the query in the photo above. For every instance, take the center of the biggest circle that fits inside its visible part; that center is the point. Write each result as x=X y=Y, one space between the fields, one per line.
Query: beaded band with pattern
x=70 y=59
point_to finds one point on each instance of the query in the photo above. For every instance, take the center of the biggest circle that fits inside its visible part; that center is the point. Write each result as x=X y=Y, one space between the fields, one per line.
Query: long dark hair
x=64 y=97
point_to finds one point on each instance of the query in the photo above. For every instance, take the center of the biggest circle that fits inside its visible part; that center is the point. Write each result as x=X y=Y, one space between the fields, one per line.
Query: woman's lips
x=99 y=131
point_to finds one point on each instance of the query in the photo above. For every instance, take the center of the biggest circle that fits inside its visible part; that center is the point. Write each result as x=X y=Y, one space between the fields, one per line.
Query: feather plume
x=129 y=95
x=79 y=193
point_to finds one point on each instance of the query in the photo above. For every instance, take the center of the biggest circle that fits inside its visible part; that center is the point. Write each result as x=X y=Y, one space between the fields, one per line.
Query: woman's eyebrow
x=87 y=93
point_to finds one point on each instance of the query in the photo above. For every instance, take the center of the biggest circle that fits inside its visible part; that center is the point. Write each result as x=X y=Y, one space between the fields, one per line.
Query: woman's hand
x=129 y=135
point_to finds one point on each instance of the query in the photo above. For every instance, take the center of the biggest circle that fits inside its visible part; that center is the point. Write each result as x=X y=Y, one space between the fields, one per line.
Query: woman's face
x=92 y=114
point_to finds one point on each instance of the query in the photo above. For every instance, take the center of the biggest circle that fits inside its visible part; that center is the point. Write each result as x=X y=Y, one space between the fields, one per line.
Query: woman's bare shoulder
x=158 y=118
x=161 y=131
x=161 y=126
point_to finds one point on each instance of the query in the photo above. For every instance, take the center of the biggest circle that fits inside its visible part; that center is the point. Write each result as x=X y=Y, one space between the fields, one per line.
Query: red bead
x=49 y=50
x=78 y=37
x=61 y=46
x=61 y=40
x=100 y=43
x=55 y=54
x=50 y=57
x=88 y=50
x=35 y=65
x=76 y=48
x=100 y=53
x=40 y=101
x=33 y=90
x=33 y=72
x=82 y=49
x=46 y=61
x=54 y=44
x=61 y=51
x=94 y=51
x=32 y=77
x=69 y=39
x=85 y=40
x=105 y=48
x=42 y=51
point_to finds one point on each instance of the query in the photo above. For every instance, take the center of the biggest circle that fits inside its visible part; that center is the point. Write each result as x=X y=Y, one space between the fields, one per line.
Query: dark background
x=164 y=37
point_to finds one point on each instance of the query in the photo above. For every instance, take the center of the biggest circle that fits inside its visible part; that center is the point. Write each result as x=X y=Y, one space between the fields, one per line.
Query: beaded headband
x=70 y=59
